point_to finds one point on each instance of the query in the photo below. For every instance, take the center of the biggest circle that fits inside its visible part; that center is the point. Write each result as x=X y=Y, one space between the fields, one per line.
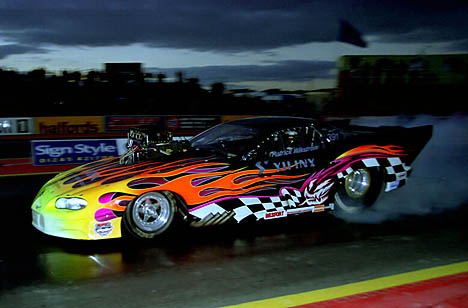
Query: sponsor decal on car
x=401 y=175
x=276 y=214
x=392 y=186
x=285 y=165
x=103 y=229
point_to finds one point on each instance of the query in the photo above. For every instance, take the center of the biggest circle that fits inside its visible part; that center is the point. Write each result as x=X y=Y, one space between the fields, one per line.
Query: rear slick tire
x=358 y=190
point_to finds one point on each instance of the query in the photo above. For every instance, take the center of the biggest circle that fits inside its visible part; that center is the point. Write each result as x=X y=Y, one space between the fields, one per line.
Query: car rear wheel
x=358 y=190
x=150 y=214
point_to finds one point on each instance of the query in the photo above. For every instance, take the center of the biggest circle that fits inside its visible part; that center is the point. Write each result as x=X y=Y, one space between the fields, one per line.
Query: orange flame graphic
x=389 y=149
x=178 y=177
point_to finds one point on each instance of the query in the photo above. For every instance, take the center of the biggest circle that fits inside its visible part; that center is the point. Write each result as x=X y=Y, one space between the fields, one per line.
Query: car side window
x=300 y=140
x=286 y=142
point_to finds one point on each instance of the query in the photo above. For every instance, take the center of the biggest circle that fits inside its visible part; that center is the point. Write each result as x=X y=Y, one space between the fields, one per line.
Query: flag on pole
x=349 y=34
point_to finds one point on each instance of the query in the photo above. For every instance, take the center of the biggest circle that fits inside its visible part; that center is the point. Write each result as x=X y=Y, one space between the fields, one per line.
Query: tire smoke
x=439 y=180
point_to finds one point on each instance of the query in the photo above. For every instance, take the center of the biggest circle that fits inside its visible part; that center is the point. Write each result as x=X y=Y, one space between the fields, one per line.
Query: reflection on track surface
x=321 y=242
x=231 y=264
x=29 y=256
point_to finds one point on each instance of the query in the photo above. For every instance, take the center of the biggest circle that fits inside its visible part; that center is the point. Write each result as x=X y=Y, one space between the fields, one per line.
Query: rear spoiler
x=415 y=139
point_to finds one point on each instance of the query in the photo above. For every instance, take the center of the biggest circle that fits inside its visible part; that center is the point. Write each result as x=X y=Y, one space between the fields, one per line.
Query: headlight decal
x=73 y=203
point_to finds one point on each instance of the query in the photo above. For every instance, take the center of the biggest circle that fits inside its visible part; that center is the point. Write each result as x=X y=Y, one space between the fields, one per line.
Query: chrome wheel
x=151 y=211
x=357 y=183
x=358 y=190
x=150 y=214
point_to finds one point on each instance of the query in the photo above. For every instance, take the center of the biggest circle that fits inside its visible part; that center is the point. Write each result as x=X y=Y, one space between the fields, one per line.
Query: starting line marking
x=357 y=287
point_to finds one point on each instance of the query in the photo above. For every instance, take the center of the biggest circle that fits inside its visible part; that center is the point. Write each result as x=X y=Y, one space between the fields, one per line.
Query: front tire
x=150 y=214
x=359 y=190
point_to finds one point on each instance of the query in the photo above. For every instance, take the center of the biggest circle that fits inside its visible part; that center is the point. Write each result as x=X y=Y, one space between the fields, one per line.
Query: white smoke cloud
x=440 y=173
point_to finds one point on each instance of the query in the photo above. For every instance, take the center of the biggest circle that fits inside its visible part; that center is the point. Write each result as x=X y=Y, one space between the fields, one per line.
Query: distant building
x=417 y=83
x=404 y=69
x=126 y=72
x=320 y=99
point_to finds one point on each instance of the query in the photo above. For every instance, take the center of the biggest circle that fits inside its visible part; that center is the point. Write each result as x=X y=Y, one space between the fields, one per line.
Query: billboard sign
x=179 y=125
x=124 y=123
x=63 y=152
x=16 y=126
x=69 y=125
x=197 y=124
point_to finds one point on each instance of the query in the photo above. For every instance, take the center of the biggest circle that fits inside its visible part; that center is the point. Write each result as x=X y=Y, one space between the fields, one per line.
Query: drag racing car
x=260 y=168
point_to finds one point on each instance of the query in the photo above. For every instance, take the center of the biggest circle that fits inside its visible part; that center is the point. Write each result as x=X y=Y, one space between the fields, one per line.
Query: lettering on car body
x=277 y=214
x=293 y=151
x=286 y=164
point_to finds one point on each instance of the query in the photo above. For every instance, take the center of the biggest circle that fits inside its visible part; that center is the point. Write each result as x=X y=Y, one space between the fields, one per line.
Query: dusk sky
x=254 y=43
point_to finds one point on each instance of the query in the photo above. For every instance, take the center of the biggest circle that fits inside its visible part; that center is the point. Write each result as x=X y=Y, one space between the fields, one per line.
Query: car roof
x=273 y=122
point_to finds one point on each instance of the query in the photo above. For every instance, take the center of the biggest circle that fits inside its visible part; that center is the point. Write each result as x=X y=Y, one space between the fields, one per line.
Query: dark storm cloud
x=226 y=26
x=279 y=71
x=458 y=45
x=11 y=49
x=196 y=25
x=412 y=21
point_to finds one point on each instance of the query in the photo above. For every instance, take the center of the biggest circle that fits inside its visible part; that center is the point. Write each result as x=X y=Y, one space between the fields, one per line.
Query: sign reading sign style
x=16 y=126
x=69 y=125
x=62 y=152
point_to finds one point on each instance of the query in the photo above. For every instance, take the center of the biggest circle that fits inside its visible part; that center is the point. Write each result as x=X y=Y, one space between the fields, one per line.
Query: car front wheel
x=150 y=214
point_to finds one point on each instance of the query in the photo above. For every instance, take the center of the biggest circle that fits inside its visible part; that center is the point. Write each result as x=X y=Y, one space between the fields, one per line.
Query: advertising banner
x=179 y=125
x=16 y=126
x=197 y=124
x=122 y=124
x=69 y=125
x=63 y=152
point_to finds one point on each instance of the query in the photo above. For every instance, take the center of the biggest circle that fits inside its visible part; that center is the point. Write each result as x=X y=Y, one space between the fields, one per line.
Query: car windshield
x=230 y=139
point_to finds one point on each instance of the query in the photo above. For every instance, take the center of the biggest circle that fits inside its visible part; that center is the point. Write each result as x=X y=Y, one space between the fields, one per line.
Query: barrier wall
x=54 y=144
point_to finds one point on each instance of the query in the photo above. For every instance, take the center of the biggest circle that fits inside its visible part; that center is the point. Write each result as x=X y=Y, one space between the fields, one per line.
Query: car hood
x=197 y=180
x=109 y=172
